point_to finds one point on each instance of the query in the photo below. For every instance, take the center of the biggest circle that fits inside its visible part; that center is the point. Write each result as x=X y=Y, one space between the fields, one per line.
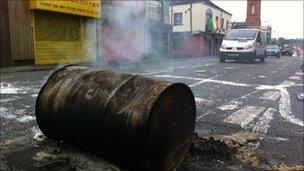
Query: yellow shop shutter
x=60 y=38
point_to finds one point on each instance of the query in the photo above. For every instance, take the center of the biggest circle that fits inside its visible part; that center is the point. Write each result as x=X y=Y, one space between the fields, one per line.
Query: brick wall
x=253 y=18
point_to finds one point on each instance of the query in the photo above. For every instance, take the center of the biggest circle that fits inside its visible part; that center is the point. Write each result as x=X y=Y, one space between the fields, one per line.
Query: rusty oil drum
x=136 y=122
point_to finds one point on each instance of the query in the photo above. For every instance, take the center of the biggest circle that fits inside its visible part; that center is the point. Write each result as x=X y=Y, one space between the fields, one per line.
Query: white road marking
x=295 y=78
x=287 y=83
x=230 y=106
x=229 y=67
x=200 y=101
x=227 y=83
x=244 y=116
x=9 y=99
x=262 y=76
x=200 y=71
x=299 y=73
x=264 y=122
x=201 y=81
x=197 y=83
x=234 y=101
x=277 y=138
x=284 y=106
x=157 y=72
x=271 y=95
x=34 y=95
x=177 y=77
x=285 y=109
x=18 y=115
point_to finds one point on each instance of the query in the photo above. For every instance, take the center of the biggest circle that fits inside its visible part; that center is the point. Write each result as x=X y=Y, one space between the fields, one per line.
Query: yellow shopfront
x=65 y=30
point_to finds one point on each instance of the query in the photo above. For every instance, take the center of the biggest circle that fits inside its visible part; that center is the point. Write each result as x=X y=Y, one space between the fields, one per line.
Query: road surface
x=230 y=98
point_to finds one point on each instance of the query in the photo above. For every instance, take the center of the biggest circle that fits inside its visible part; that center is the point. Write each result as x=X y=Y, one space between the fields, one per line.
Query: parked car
x=287 y=50
x=238 y=44
x=273 y=50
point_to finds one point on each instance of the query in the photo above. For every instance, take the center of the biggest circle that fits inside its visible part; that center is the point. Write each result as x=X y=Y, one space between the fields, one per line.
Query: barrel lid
x=171 y=125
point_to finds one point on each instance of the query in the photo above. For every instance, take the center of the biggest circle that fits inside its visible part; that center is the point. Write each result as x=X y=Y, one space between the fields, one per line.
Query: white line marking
x=234 y=101
x=299 y=73
x=287 y=83
x=8 y=88
x=230 y=106
x=244 y=116
x=227 y=83
x=197 y=83
x=218 y=81
x=295 y=78
x=201 y=81
x=18 y=115
x=262 y=76
x=284 y=105
x=177 y=77
x=229 y=67
x=271 y=95
x=157 y=72
x=285 y=109
x=264 y=122
x=277 y=138
x=199 y=101
x=200 y=71
x=200 y=117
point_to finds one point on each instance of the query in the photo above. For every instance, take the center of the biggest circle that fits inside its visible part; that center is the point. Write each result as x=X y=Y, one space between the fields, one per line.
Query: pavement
x=231 y=99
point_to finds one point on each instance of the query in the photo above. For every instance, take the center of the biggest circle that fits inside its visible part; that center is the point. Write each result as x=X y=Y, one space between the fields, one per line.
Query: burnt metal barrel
x=134 y=121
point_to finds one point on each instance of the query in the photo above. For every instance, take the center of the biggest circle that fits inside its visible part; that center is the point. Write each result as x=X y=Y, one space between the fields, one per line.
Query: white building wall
x=185 y=10
x=199 y=18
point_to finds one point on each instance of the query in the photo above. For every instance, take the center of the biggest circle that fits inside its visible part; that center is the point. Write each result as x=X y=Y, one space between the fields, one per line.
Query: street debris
x=216 y=152
x=282 y=167
x=242 y=137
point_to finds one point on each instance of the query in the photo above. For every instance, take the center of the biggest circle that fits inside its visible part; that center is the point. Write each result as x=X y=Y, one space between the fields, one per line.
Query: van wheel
x=222 y=60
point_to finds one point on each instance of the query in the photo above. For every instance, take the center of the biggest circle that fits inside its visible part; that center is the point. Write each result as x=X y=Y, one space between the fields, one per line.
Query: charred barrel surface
x=137 y=122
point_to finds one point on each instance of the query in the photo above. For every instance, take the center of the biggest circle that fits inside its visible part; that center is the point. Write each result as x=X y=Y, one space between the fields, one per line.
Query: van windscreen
x=241 y=35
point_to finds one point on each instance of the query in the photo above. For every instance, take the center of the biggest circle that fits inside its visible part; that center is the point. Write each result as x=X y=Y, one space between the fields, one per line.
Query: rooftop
x=208 y=2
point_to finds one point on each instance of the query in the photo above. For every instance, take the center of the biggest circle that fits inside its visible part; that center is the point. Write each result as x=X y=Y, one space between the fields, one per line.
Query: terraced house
x=198 y=28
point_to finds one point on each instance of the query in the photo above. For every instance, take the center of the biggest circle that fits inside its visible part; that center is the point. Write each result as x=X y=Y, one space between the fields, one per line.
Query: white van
x=243 y=44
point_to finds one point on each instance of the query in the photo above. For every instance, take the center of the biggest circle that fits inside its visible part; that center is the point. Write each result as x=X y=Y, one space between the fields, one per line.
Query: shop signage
x=89 y=8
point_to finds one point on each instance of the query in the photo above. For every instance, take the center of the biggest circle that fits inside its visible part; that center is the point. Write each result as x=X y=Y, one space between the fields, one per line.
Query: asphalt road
x=230 y=98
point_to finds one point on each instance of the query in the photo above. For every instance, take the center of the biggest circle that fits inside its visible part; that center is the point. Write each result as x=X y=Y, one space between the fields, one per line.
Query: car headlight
x=223 y=46
x=248 y=46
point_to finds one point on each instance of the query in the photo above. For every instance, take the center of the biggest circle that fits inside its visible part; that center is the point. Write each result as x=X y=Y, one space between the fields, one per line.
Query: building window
x=177 y=43
x=178 y=18
x=227 y=25
x=208 y=21
x=253 y=9
x=155 y=10
x=223 y=24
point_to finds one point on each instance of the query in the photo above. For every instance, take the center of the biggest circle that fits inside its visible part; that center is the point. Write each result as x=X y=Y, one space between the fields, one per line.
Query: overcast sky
x=285 y=17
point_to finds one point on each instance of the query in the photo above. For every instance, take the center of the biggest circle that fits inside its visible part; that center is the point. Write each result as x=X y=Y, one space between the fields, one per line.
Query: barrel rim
x=37 y=107
x=161 y=93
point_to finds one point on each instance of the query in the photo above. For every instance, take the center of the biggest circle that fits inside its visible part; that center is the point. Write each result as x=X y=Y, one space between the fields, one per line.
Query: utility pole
x=171 y=28
x=191 y=26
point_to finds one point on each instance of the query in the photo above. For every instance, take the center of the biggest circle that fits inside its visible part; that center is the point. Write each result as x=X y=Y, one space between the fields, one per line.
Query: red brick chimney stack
x=253 y=19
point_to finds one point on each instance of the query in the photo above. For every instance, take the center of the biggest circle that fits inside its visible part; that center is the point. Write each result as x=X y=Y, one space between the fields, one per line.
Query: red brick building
x=253 y=13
